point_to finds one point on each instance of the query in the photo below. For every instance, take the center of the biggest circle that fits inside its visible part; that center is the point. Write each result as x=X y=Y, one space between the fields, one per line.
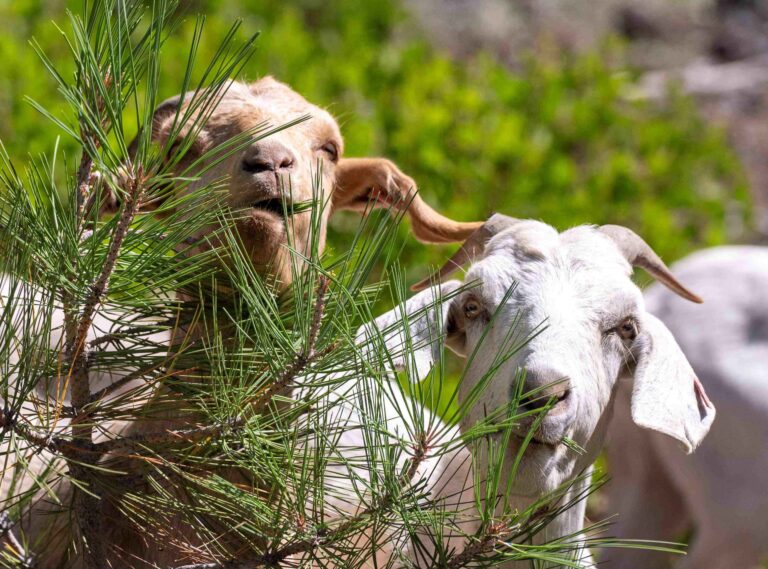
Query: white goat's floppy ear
x=667 y=396
x=412 y=333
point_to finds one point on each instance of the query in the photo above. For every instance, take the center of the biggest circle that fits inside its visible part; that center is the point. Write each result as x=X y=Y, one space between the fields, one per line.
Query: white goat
x=596 y=333
x=720 y=490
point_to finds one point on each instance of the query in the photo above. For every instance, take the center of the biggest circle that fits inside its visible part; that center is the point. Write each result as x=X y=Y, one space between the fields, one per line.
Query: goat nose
x=268 y=158
x=541 y=385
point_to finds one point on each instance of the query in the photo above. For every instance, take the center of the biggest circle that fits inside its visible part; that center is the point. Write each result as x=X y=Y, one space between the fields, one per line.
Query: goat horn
x=640 y=254
x=472 y=247
x=431 y=227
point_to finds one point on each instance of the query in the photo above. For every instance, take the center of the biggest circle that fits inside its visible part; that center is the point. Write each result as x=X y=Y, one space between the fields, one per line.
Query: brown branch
x=213 y=565
x=421 y=448
x=483 y=546
x=273 y=559
x=317 y=314
x=84 y=186
x=86 y=505
x=85 y=173
x=99 y=288
x=8 y=422
x=496 y=533
x=164 y=437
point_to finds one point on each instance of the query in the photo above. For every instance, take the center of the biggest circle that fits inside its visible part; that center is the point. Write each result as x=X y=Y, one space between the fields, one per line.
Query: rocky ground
x=717 y=50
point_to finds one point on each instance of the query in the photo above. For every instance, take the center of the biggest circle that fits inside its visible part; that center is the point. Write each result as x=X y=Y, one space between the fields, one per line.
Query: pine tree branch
x=136 y=441
x=8 y=422
x=299 y=364
x=325 y=537
x=87 y=507
x=421 y=449
x=85 y=173
x=84 y=185
x=495 y=534
x=99 y=287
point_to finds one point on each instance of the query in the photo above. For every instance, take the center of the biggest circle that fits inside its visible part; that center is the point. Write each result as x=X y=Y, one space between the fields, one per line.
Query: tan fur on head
x=286 y=163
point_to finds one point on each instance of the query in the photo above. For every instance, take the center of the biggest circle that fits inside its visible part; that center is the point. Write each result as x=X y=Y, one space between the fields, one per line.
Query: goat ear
x=164 y=111
x=163 y=120
x=362 y=183
x=667 y=396
x=412 y=334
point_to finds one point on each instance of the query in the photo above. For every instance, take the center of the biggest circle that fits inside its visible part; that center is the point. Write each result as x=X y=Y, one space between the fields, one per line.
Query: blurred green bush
x=557 y=140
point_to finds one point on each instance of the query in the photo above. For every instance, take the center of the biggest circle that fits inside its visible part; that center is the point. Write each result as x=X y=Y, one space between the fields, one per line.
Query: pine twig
x=496 y=533
x=25 y=559
x=8 y=422
x=308 y=355
x=87 y=507
x=421 y=448
x=132 y=442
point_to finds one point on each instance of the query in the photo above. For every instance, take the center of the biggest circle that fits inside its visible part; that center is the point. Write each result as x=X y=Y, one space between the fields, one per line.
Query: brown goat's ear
x=164 y=111
x=163 y=120
x=362 y=181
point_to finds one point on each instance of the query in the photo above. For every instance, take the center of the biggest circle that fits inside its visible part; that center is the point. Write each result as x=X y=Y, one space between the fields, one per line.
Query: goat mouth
x=557 y=402
x=553 y=426
x=275 y=206
x=536 y=441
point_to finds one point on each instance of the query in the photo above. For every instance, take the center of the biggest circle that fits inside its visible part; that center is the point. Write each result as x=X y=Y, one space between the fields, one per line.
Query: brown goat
x=256 y=177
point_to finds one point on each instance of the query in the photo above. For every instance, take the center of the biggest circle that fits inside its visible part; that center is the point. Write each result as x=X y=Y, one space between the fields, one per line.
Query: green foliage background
x=557 y=140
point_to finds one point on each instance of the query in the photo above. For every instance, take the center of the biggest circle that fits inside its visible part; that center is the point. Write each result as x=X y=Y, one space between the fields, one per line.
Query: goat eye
x=472 y=308
x=331 y=150
x=627 y=330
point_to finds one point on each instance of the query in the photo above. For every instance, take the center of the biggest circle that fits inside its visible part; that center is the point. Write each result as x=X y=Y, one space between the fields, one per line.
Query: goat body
x=720 y=491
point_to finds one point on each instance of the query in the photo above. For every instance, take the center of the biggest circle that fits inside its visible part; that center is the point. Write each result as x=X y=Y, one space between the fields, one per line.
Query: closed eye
x=332 y=150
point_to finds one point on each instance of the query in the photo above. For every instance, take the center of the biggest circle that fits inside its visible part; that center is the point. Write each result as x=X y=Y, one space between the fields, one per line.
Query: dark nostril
x=255 y=166
x=533 y=402
x=540 y=399
x=285 y=162
x=268 y=162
